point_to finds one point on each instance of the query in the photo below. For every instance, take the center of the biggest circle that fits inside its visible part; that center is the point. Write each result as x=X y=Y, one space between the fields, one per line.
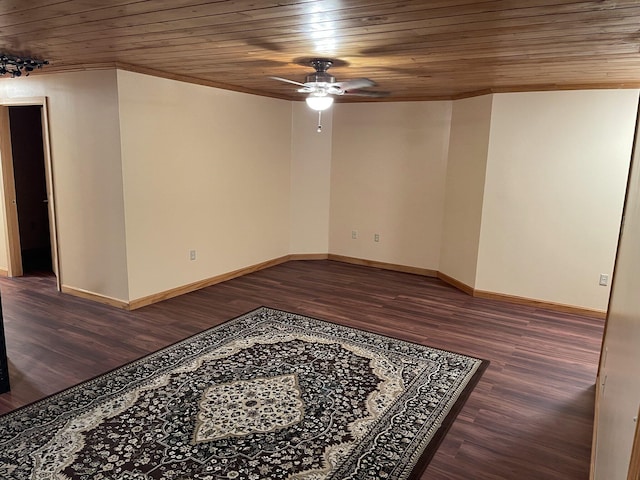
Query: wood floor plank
x=530 y=417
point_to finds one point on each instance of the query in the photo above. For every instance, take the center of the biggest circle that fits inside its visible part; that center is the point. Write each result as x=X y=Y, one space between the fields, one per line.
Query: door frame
x=633 y=472
x=634 y=463
x=14 y=254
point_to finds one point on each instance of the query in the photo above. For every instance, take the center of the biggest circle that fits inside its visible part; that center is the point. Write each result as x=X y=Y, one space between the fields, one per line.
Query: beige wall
x=85 y=144
x=555 y=181
x=619 y=374
x=310 y=180
x=243 y=179
x=468 y=148
x=387 y=177
x=204 y=169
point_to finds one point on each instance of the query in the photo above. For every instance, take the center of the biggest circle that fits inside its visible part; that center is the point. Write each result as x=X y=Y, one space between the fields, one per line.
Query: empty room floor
x=531 y=415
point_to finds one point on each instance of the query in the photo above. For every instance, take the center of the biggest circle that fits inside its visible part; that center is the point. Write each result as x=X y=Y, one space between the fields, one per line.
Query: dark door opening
x=31 y=188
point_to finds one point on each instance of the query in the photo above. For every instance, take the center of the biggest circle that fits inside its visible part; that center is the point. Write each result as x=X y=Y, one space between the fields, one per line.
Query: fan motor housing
x=320 y=77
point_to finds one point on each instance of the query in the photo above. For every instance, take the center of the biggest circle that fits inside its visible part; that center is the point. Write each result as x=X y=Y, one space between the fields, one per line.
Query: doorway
x=28 y=189
x=31 y=188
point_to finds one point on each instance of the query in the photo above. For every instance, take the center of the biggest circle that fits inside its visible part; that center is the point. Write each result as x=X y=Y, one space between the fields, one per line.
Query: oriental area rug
x=268 y=395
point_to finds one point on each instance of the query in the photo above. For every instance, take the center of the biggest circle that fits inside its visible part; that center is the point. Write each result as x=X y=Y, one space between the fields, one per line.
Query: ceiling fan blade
x=288 y=81
x=355 y=84
x=366 y=93
x=335 y=90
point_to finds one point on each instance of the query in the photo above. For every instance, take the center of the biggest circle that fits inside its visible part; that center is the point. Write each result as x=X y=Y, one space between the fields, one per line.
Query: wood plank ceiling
x=416 y=49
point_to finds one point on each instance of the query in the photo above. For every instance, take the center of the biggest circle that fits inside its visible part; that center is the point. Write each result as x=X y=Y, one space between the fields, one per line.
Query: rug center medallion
x=243 y=407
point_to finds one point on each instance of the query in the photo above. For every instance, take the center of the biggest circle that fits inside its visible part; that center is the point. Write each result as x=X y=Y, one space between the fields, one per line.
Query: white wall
x=204 y=169
x=85 y=144
x=619 y=373
x=555 y=181
x=466 y=167
x=387 y=177
x=310 y=180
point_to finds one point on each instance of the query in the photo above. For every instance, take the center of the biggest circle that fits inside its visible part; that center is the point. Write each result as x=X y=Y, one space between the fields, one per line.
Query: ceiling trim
x=234 y=88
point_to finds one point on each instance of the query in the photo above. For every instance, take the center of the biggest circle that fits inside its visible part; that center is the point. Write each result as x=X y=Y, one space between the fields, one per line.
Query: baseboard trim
x=456 y=283
x=4 y=273
x=560 y=307
x=191 y=287
x=207 y=282
x=425 y=272
x=96 y=297
x=309 y=256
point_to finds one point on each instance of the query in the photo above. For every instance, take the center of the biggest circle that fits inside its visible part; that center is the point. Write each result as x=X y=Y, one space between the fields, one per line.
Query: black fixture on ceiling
x=16 y=66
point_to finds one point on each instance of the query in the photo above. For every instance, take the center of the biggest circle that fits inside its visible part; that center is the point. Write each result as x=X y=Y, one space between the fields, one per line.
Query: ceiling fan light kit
x=319 y=101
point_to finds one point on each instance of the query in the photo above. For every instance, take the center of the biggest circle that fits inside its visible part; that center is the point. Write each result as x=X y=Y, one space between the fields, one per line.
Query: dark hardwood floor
x=530 y=417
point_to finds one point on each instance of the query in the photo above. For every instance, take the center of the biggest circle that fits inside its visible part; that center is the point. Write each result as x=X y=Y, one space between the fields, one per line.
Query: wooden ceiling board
x=415 y=49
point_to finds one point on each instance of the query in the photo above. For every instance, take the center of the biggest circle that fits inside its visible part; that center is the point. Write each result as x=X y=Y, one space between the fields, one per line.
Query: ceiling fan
x=321 y=85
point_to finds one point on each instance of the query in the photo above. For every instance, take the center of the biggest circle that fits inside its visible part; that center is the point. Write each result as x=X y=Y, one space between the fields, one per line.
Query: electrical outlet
x=354 y=234
x=376 y=237
x=192 y=255
x=604 y=279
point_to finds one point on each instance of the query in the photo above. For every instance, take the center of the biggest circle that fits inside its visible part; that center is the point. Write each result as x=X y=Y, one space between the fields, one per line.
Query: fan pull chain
x=319 y=130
